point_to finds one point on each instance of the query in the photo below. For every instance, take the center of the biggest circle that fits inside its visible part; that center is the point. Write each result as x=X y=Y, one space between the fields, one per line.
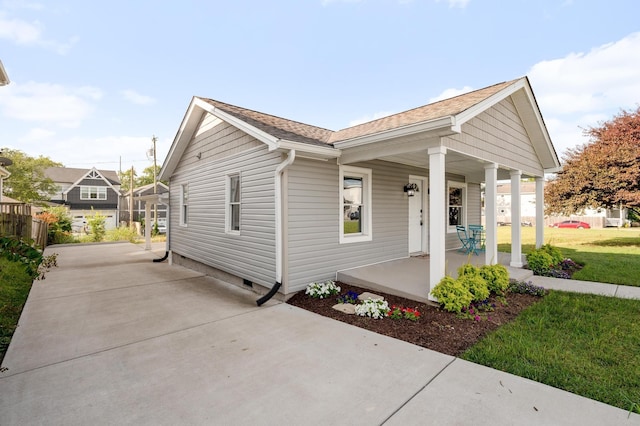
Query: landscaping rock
x=346 y=308
x=366 y=295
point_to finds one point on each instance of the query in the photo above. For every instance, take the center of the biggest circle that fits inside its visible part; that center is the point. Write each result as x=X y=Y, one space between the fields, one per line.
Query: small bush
x=540 y=262
x=97 y=225
x=476 y=285
x=452 y=294
x=554 y=252
x=496 y=276
x=468 y=270
x=123 y=233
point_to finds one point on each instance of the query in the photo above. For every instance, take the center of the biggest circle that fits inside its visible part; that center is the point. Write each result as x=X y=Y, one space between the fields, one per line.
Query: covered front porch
x=409 y=277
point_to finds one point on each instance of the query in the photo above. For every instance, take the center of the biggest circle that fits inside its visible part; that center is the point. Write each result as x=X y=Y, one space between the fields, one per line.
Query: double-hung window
x=93 y=192
x=355 y=204
x=456 y=202
x=233 y=195
x=184 y=203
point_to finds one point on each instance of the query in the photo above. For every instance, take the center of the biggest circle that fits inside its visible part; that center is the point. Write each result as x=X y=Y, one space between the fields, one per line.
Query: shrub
x=59 y=224
x=476 y=285
x=96 y=223
x=496 y=276
x=123 y=233
x=554 y=252
x=452 y=294
x=540 y=262
x=468 y=270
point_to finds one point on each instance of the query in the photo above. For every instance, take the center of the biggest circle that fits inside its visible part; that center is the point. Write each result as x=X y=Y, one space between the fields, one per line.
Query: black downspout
x=269 y=295
x=163 y=258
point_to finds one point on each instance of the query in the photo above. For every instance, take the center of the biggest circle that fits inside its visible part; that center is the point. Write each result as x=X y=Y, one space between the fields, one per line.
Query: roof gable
x=93 y=173
x=71 y=175
x=444 y=116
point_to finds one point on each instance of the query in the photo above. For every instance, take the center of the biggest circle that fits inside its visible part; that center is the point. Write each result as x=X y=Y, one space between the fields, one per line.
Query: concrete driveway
x=111 y=338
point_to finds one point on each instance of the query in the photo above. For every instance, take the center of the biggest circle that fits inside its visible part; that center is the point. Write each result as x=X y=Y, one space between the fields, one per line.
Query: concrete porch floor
x=409 y=277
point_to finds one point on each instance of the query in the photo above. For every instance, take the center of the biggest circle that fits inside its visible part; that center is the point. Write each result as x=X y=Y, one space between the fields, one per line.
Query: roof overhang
x=193 y=117
x=154 y=198
x=4 y=78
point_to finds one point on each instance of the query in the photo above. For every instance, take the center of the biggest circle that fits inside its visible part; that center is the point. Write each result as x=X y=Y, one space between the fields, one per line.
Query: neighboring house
x=139 y=206
x=86 y=191
x=273 y=203
x=597 y=218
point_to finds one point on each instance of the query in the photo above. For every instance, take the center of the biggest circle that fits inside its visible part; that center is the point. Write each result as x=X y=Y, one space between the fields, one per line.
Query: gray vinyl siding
x=313 y=220
x=498 y=135
x=251 y=254
x=474 y=204
x=214 y=140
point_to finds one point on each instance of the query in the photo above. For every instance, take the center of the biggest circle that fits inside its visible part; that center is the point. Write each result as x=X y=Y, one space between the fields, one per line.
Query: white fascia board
x=470 y=113
x=270 y=141
x=153 y=198
x=310 y=150
x=104 y=179
x=437 y=124
x=187 y=128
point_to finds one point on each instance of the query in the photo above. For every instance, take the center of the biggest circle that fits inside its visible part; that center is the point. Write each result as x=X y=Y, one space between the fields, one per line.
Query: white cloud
x=30 y=34
x=136 y=98
x=49 y=103
x=38 y=135
x=583 y=89
x=450 y=93
x=367 y=118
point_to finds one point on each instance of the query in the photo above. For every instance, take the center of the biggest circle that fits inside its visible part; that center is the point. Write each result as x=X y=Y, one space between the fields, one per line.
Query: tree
x=147 y=176
x=28 y=182
x=145 y=179
x=603 y=173
x=125 y=180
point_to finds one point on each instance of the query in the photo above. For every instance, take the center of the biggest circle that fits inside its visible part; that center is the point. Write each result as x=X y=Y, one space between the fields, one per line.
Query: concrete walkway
x=111 y=338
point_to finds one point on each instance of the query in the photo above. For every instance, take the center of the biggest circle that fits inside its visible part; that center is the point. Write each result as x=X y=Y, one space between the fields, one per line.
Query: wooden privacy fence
x=16 y=221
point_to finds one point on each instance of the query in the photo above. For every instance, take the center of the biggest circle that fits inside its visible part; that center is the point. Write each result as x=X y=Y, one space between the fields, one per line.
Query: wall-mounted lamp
x=411 y=189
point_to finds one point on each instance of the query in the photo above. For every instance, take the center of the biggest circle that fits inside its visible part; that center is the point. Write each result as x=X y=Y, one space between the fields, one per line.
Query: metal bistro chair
x=468 y=243
x=478 y=235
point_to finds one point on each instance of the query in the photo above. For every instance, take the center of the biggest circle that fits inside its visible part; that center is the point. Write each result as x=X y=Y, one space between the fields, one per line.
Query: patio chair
x=478 y=235
x=468 y=243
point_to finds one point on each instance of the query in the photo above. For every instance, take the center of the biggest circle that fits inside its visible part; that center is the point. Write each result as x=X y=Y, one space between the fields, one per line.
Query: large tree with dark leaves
x=28 y=182
x=602 y=173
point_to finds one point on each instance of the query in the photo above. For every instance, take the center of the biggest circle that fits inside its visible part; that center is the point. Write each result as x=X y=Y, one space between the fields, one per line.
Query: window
x=456 y=205
x=93 y=192
x=184 y=203
x=232 y=217
x=355 y=209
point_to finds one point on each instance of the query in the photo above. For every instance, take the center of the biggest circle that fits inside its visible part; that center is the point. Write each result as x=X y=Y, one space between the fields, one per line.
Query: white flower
x=372 y=308
x=322 y=290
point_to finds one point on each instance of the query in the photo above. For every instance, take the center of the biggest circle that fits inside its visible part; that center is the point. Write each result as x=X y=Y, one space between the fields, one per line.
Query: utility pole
x=131 y=199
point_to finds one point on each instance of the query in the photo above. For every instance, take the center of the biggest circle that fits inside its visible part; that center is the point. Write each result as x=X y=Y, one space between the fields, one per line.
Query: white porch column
x=516 y=219
x=147 y=225
x=539 y=212
x=491 y=213
x=437 y=217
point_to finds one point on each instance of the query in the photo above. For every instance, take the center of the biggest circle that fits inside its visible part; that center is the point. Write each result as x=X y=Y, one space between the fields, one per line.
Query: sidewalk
x=589 y=287
x=109 y=337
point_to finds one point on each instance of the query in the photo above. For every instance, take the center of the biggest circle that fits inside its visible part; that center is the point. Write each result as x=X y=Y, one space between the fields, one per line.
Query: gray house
x=277 y=204
x=85 y=191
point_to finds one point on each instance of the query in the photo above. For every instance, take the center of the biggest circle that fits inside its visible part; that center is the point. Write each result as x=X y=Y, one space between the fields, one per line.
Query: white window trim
x=183 y=220
x=463 y=185
x=227 y=203
x=367 y=183
x=99 y=190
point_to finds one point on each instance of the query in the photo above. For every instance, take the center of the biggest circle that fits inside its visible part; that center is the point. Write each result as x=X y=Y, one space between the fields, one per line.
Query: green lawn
x=15 y=284
x=581 y=343
x=610 y=255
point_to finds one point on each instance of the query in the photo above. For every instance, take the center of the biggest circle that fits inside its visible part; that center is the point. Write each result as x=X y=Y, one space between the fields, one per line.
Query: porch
x=408 y=277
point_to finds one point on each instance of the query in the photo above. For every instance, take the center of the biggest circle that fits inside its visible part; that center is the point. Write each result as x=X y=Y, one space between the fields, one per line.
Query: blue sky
x=91 y=82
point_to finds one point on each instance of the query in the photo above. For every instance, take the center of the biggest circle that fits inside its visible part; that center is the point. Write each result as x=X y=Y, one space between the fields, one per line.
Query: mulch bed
x=436 y=329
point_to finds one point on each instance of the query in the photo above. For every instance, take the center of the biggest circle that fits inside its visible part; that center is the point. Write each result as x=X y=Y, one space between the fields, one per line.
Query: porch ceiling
x=470 y=167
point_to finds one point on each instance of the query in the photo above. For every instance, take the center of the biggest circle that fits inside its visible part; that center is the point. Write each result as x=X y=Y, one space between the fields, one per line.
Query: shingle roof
x=276 y=126
x=444 y=108
x=299 y=132
x=71 y=175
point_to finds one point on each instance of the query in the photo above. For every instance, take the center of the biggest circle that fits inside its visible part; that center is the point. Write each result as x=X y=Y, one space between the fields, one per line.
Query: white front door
x=417 y=217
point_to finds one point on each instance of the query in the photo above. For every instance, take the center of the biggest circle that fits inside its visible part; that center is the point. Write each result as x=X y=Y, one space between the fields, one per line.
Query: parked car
x=571 y=224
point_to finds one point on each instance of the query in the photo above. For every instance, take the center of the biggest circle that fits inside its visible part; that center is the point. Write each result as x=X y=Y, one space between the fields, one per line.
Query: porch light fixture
x=411 y=189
